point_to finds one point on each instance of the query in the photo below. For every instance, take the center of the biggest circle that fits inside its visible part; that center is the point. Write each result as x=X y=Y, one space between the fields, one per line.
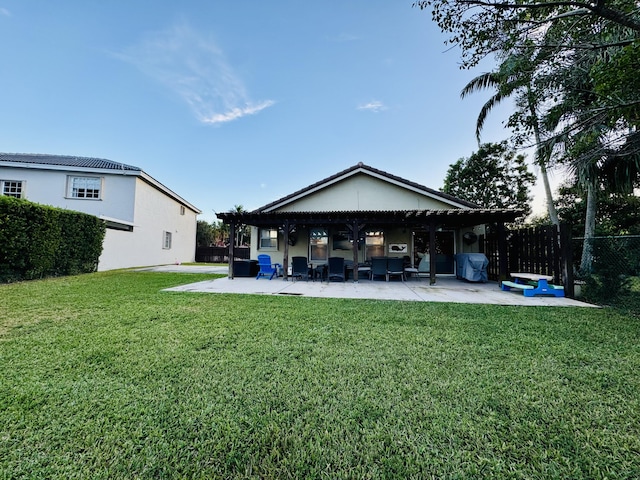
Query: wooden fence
x=220 y=254
x=545 y=250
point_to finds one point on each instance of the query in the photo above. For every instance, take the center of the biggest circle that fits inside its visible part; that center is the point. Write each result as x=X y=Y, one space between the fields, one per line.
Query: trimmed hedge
x=38 y=241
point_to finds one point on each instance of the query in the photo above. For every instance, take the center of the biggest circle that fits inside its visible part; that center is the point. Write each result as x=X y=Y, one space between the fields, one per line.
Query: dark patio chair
x=267 y=269
x=395 y=268
x=336 y=268
x=300 y=268
x=378 y=267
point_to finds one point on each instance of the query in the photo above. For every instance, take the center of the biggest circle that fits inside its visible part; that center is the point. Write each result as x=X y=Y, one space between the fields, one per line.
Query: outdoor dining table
x=532 y=284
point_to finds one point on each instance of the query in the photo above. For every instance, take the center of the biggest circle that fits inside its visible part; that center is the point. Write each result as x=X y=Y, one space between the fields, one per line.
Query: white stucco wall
x=155 y=213
x=49 y=187
x=126 y=198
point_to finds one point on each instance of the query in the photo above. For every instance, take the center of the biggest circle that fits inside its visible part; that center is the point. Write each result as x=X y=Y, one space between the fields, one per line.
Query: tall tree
x=513 y=77
x=492 y=177
x=592 y=104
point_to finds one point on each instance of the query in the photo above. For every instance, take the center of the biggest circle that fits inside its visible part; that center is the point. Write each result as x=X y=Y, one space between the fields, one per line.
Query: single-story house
x=363 y=212
x=147 y=223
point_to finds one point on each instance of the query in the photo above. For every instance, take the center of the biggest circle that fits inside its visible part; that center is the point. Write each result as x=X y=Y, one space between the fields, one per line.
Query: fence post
x=502 y=252
x=567 y=260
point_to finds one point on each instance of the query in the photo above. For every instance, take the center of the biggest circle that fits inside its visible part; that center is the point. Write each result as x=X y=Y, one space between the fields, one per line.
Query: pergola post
x=285 y=260
x=232 y=252
x=355 y=235
x=432 y=252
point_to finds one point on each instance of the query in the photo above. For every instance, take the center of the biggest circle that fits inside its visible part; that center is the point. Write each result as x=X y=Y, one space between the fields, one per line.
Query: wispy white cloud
x=194 y=67
x=4 y=12
x=344 y=37
x=372 y=106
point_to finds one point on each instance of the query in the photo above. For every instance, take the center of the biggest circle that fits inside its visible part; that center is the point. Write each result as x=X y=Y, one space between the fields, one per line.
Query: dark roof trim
x=66 y=161
x=448 y=217
x=361 y=167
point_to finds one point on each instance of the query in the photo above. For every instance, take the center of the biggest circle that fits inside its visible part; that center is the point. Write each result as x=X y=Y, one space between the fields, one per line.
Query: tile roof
x=66 y=161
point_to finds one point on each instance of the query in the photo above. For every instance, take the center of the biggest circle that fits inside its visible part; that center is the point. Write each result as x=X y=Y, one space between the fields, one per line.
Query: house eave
x=454 y=218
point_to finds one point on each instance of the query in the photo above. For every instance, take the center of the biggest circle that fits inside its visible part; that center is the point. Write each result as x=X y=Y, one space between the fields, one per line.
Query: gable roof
x=361 y=168
x=66 y=161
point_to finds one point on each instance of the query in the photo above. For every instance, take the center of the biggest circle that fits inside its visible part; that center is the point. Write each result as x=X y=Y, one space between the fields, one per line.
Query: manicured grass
x=105 y=376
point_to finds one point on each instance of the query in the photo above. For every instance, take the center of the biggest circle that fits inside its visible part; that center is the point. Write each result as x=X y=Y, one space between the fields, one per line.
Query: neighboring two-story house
x=147 y=223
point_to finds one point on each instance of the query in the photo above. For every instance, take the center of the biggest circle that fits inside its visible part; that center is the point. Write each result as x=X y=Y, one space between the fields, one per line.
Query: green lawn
x=105 y=376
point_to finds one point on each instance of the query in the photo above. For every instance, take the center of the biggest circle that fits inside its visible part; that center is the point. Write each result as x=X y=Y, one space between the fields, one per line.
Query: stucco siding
x=363 y=192
x=125 y=198
x=155 y=214
x=49 y=187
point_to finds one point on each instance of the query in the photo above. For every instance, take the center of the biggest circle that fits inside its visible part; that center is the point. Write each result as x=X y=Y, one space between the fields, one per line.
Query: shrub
x=39 y=241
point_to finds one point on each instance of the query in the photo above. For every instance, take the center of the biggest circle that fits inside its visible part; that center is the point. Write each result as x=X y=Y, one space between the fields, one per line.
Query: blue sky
x=237 y=103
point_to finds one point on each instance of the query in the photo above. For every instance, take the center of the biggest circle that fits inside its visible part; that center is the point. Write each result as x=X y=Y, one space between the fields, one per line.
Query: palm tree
x=512 y=77
x=242 y=230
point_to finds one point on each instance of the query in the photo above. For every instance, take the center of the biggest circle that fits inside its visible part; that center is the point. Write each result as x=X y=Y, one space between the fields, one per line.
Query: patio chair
x=395 y=268
x=299 y=268
x=336 y=268
x=267 y=269
x=378 y=267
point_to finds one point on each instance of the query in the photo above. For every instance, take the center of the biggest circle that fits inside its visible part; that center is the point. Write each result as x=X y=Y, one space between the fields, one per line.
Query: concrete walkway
x=447 y=289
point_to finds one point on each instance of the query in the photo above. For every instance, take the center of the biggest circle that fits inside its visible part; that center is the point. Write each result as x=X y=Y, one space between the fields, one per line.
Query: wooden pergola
x=357 y=221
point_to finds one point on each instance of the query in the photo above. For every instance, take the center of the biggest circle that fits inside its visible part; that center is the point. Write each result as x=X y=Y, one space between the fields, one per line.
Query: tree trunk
x=542 y=159
x=589 y=231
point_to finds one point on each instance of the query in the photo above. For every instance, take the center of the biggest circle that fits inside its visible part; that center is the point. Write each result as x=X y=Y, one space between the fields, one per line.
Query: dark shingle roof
x=66 y=161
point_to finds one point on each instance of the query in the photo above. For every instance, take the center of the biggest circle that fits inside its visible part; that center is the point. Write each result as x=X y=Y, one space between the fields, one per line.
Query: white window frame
x=374 y=244
x=7 y=185
x=182 y=210
x=84 y=187
x=268 y=239
x=166 y=240
x=318 y=241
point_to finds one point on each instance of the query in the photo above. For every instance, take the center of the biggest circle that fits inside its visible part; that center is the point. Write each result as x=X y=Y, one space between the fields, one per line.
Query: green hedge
x=38 y=241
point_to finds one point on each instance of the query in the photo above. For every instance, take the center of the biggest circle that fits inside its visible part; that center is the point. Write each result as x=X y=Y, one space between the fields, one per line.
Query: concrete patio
x=447 y=289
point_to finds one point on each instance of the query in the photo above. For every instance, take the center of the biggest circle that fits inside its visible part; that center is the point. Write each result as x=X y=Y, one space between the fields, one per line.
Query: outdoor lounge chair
x=395 y=267
x=378 y=267
x=300 y=268
x=336 y=268
x=267 y=269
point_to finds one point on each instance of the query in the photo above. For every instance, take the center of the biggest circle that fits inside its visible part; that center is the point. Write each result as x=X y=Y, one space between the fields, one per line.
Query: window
x=166 y=245
x=12 y=188
x=318 y=245
x=84 y=187
x=268 y=239
x=374 y=244
x=182 y=210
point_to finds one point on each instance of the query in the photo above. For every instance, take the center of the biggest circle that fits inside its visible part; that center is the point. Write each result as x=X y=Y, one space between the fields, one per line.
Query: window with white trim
x=182 y=210
x=12 y=188
x=374 y=244
x=84 y=187
x=318 y=244
x=166 y=240
x=268 y=239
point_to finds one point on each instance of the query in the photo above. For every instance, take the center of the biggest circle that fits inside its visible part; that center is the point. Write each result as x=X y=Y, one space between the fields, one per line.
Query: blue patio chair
x=378 y=267
x=267 y=269
x=336 y=268
x=300 y=268
x=395 y=267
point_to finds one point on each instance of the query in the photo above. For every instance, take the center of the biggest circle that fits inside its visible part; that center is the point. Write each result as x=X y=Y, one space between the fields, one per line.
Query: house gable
x=364 y=188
